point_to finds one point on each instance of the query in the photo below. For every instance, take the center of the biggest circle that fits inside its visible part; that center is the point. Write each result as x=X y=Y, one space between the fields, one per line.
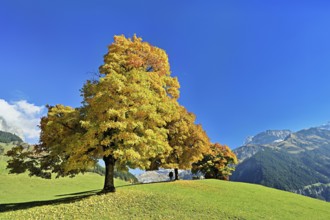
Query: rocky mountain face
x=292 y=161
x=267 y=137
x=325 y=126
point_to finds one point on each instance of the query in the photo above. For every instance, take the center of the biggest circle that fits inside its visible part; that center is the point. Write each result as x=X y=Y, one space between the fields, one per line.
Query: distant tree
x=122 y=120
x=217 y=163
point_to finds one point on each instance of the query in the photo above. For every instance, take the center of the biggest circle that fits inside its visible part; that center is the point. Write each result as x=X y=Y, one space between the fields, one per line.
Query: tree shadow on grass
x=93 y=192
x=68 y=198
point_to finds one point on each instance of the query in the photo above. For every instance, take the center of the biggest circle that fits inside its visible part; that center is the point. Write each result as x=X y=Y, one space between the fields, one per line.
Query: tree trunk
x=109 y=185
x=176 y=174
x=208 y=175
x=154 y=165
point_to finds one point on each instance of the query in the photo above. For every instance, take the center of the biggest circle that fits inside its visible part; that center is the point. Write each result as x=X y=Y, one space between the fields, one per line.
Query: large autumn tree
x=124 y=119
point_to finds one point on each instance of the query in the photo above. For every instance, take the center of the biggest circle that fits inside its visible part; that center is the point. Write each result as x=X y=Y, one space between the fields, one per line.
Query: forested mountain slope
x=298 y=162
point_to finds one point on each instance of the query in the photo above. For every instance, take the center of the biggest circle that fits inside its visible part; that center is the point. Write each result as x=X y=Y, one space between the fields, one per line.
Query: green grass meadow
x=24 y=197
x=199 y=199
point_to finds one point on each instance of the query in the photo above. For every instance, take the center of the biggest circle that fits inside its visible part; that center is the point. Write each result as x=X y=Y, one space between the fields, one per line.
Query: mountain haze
x=4 y=127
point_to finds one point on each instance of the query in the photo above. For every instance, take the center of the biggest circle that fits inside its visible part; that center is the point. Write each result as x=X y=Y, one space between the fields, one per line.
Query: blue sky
x=243 y=66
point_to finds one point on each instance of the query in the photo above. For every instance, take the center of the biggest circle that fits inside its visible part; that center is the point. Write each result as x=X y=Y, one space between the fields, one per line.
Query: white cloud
x=21 y=118
x=28 y=108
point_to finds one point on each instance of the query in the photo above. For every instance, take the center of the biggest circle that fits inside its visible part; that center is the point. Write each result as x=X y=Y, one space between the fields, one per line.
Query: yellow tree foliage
x=60 y=150
x=217 y=163
x=123 y=119
x=188 y=142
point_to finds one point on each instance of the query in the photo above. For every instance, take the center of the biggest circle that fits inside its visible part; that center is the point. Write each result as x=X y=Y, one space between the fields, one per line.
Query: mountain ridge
x=268 y=136
x=300 y=162
x=10 y=129
x=7 y=137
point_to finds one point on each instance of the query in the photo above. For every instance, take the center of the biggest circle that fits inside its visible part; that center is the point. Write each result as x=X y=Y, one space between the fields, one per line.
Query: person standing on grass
x=170 y=175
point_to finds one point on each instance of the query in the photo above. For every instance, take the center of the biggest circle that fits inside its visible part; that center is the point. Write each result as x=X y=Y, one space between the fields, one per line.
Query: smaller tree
x=217 y=163
x=188 y=142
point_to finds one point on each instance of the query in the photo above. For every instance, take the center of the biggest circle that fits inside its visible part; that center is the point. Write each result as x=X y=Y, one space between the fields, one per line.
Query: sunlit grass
x=23 y=197
x=203 y=199
x=21 y=188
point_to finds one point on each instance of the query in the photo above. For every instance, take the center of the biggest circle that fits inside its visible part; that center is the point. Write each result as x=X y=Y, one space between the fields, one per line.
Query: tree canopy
x=188 y=143
x=217 y=163
x=129 y=115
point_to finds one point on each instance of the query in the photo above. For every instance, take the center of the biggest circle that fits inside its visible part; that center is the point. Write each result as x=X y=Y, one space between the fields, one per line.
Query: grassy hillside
x=23 y=197
x=202 y=199
x=22 y=188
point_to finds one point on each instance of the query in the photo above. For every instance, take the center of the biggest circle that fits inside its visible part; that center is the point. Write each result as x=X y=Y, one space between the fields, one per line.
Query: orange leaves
x=132 y=54
x=126 y=54
x=187 y=140
x=217 y=163
x=223 y=153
